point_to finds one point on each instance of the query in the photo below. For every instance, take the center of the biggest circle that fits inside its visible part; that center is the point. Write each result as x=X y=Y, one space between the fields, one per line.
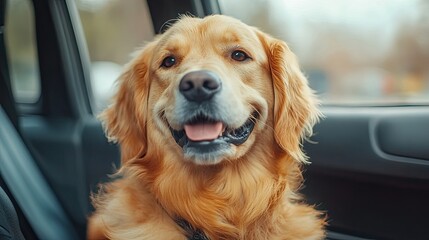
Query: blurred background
x=361 y=52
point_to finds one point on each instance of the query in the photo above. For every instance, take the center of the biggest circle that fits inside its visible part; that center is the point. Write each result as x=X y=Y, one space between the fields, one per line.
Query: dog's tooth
x=223 y=130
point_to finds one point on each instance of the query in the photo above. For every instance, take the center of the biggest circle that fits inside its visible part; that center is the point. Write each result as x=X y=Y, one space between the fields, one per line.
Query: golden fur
x=250 y=193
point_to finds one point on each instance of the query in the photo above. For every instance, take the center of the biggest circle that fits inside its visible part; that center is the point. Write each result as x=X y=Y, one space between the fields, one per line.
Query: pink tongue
x=203 y=131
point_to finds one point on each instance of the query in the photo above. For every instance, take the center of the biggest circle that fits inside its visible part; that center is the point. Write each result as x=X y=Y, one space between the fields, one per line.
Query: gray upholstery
x=29 y=188
x=9 y=224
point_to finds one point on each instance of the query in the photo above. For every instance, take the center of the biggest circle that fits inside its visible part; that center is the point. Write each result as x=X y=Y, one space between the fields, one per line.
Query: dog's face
x=214 y=86
x=206 y=90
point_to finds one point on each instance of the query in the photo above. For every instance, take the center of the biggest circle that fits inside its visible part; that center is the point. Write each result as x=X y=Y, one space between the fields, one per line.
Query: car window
x=113 y=30
x=20 y=40
x=356 y=52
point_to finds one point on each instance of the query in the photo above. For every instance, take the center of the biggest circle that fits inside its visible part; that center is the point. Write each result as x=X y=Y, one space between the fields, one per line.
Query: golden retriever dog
x=210 y=118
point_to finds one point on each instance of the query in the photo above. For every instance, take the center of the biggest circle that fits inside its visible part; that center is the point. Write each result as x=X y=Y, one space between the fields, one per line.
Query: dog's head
x=208 y=91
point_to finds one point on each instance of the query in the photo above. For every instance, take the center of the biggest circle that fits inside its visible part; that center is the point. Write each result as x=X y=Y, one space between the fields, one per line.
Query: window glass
x=358 y=52
x=20 y=40
x=114 y=29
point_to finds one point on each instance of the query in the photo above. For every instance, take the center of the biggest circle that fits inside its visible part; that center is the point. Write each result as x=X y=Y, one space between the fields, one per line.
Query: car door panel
x=367 y=187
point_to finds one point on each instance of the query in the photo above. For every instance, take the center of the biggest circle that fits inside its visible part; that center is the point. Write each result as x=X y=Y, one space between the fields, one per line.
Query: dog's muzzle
x=204 y=133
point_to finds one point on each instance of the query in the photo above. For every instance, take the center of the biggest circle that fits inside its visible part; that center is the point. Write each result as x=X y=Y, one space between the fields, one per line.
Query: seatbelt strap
x=29 y=187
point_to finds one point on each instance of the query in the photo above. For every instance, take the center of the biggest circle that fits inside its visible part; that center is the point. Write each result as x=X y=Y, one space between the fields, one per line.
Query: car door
x=369 y=171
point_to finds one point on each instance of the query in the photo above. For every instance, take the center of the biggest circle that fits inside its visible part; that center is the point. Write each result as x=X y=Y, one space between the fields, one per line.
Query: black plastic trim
x=162 y=15
x=69 y=51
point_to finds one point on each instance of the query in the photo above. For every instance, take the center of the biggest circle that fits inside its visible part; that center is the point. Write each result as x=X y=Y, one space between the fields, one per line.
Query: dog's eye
x=168 y=62
x=239 y=55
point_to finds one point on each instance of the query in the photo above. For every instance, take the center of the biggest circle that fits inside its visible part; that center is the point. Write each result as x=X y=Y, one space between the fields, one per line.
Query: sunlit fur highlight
x=295 y=104
x=251 y=196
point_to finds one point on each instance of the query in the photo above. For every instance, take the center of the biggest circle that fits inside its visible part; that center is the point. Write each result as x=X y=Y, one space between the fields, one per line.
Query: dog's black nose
x=199 y=86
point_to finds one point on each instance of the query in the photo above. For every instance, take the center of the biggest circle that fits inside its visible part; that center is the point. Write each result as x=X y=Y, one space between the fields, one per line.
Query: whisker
x=256 y=120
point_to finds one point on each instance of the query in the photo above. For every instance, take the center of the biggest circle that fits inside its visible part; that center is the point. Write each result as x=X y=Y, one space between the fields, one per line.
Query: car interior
x=369 y=168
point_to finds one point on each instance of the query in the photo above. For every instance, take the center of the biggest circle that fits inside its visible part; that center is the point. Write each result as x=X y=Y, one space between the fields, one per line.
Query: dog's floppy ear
x=125 y=119
x=295 y=106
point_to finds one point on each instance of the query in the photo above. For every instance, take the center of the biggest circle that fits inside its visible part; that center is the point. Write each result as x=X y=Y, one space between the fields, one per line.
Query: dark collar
x=191 y=232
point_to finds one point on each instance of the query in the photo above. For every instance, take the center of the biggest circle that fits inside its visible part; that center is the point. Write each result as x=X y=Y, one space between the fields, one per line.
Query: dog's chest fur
x=217 y=212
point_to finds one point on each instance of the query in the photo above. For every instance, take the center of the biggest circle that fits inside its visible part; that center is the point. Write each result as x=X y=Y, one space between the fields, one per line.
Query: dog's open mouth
x=206 y=134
